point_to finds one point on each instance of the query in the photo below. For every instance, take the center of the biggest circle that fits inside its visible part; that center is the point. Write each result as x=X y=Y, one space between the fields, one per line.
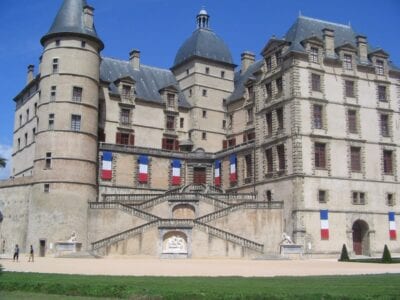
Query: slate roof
x=240 y=80
x=149 y=80
x=70 y=20
x=204 y=43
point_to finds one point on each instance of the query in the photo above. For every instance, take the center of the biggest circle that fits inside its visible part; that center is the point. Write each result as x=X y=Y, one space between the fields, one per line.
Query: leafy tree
x=344 y=256
x=386 y=257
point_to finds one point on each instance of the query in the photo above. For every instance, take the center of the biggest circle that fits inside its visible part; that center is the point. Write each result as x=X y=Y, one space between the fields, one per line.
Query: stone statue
x=73 y=237
x=286 y=239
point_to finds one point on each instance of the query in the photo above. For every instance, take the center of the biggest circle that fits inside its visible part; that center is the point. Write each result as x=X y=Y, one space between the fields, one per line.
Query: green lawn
x=146 y=288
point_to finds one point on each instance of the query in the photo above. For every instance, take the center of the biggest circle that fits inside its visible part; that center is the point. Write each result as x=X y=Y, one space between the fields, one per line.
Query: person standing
x=16 y=253
x=31 y=256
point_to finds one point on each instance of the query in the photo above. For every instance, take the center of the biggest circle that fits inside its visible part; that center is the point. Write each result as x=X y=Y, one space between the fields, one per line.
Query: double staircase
x=134 y=204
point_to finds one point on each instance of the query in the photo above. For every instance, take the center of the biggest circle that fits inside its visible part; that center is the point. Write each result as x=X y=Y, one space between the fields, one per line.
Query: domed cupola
x=203 y=43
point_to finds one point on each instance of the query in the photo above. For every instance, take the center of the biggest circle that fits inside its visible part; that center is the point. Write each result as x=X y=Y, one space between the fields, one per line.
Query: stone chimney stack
x=362 y=46
x=30 y=75
x=134 y=59
x=88 y=13
x=329 y=42
x=248 y=59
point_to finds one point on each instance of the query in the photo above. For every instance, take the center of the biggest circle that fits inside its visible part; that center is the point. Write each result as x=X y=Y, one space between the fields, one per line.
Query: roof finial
x=202 y=18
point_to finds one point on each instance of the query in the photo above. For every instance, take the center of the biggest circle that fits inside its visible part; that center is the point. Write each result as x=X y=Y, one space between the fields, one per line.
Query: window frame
x=355 y=159
x=320 y=157
x=76 y=122
x=316 y=82
x=77 y=94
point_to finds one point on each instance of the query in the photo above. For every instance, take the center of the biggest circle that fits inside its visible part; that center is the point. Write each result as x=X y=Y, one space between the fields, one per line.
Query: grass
x=322 y=287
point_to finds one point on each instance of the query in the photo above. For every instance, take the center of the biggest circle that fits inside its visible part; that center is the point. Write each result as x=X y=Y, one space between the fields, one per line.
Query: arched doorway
x=183 y=211
x=360 y=238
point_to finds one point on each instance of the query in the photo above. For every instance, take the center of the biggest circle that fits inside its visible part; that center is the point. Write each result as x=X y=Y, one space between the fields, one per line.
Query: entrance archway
x=360 y=238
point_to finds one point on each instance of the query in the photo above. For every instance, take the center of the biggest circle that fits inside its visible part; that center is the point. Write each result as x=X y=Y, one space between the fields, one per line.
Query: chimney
x=329 y=42
x=362 y=46
x=248 y=59
x=134 y=59
x=88 y=13
x=30 y=76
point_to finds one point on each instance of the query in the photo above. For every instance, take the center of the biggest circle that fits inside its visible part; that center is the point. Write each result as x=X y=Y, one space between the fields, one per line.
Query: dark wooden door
x=357 y=238
x=199 y=175
x=42 y=249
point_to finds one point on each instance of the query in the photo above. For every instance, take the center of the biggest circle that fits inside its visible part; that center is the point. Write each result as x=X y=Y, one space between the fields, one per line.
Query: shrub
x=344 y=256
x=386 y=257
x=1 y=269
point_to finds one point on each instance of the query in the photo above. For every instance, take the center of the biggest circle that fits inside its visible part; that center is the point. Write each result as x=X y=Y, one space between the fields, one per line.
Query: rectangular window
x=19 y=143
x=51 y=121
x=125 y=116
x=48 y=160
x=280 y=149
x=204 y=93
x=58 y=43
x=171 y=122
x=268 y=62
x=223 y=124
x=126 y=91
x=320 y=155
x=35 y=109
x=83 y=44
x=278 y=57
x=317 y=116
x=250 y=116
x=316 y=82
x=207 y=70
x=26 y=139
x=268 y=119
x=390 y=201
x=20 y=120
x=388 y=162
x=279 y=85
x=204 y=114
x=33 y=134
x=349 y=88
x=204 y=135
x=171 y=100
x=314 y=55
x=46 y=188
x=27 y=115
x=268 y=88
x=181 y=122
x=358 y=198
x=77 y=94
x=123 y=138
x=279 y=116
x=53 y=93
x=232 y=142
x=76 y=122
x=270 y=163
x=382 y=93
x=222 y=74
x=230 y=124
x=322 y=196
x=170 y=144
x=55 y=65
x=352 y=120
x=249 y=166
x=379 y=67
x=384 y=120
x=355 y=159
x=347 y=62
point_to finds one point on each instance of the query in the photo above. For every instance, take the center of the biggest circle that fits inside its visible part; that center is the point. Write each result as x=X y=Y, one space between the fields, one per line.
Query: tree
x=344 y=256
x=2 y=162
x=386 y=257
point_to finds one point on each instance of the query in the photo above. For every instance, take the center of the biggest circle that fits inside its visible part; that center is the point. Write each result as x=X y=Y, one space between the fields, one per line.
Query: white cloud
x=5 y=152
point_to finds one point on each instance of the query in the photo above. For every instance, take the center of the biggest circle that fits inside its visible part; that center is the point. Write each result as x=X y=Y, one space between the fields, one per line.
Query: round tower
x=65 y=165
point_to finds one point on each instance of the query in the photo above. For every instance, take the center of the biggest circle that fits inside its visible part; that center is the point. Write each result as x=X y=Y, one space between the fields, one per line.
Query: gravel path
x=195 y=267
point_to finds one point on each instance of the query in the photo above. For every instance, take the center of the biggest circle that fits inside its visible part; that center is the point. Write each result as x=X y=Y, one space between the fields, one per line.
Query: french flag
x=217 y=173
x=106 y=164
x=233 y=169
x=143 y=168
x=392 y=226
x=176 y=172
x=324 y=224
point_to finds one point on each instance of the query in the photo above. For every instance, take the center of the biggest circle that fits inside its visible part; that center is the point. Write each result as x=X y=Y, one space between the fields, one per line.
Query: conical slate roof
x=70 y=20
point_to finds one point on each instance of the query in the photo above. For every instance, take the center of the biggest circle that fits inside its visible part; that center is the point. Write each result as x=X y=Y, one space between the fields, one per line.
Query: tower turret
x=66 y=143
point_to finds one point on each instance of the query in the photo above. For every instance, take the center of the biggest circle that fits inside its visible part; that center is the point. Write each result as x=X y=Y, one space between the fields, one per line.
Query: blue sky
x=158 y=27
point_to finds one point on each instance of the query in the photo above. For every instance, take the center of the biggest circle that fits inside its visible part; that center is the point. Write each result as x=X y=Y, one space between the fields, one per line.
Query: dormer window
x=347 y=62
x=278 y=57
x=314 y=55
x=170 y=100
x=379 y=67
x=126 y=91
x=268 y=62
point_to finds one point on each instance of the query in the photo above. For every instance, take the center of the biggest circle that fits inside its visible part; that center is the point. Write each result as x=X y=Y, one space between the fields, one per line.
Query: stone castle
x=207 y=158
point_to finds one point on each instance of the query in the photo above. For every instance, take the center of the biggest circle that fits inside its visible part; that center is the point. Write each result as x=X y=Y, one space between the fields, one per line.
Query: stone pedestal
x=287 y=250
x=63 y=248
